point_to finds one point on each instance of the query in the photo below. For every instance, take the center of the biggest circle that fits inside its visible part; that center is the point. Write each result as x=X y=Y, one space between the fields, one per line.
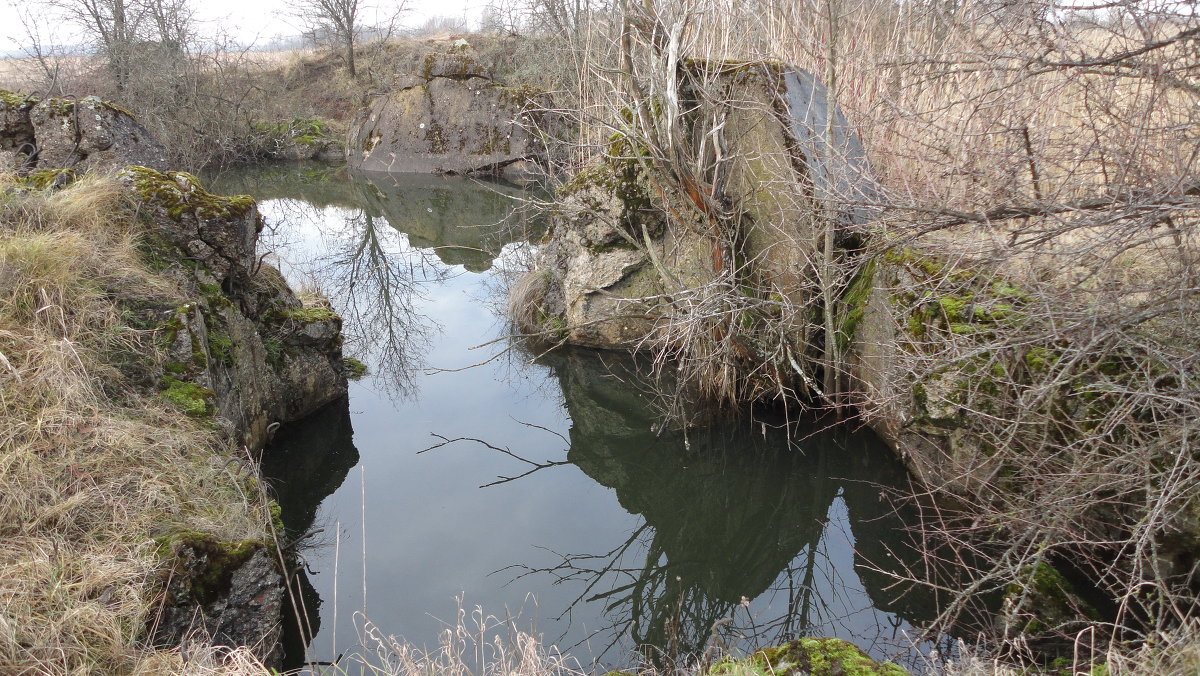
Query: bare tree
x=340 y=22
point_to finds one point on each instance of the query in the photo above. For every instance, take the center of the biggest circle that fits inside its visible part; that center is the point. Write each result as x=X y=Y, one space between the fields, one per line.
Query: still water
x=462 y=470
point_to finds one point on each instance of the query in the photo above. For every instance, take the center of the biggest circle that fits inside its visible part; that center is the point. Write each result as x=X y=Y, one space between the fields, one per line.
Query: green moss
x=854 y=304
x=176 y=368
x=353 y=368
x=275 y=353
x=808 y=657
x=621 y=174
x=953 y=307
x=220 y=346
x=213 y=562
x=189 y=397
x=16 y=100
x=1040 y=359
x=179 y=193
x=307 y=315
x=45 y=179
x=276 y=511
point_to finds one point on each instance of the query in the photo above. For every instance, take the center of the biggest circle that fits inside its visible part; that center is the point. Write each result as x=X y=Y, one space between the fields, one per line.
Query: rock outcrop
x=450 y=118
x=68 y=134
x=614 y=245
x=247 y=354
x=258 y=354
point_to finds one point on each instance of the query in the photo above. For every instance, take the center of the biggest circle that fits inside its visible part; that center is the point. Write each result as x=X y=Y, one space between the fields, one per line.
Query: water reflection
x=305 y=463
x=373 y=243
x=764 y=531
x=749 y=529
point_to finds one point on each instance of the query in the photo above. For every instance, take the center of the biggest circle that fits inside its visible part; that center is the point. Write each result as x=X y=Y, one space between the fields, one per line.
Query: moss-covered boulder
x=218 y=233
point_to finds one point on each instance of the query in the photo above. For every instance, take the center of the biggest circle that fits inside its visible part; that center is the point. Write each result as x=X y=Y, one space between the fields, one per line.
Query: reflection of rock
x=459 y=219
x=316 y=183
x=449 y=118
x=307 y=461
x=732 y=506
x=305 y=464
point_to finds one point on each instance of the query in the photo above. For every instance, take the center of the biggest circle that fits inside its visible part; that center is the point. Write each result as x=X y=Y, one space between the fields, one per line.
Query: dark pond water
x=597 y=527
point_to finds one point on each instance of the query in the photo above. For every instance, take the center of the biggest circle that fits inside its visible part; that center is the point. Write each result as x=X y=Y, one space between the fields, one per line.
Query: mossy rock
x=192 y=399
x=179 y=193
x=208 y=563
x=809 y=657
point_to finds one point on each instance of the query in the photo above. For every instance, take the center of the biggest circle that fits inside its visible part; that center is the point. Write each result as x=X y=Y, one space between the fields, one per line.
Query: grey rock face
x=833 y=153
x=225 y=594
x=451 y=118
x=86 y=134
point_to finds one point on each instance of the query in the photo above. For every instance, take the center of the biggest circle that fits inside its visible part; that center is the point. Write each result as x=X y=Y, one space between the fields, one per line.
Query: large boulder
x=450 y=118
x=88 y=134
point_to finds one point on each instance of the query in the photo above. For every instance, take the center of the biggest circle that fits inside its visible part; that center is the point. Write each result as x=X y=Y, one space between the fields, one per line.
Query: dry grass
x=476 y=644
x=91 y=469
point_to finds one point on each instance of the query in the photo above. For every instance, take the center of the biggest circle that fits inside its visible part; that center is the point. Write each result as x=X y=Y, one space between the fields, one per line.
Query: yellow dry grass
x=91 y=471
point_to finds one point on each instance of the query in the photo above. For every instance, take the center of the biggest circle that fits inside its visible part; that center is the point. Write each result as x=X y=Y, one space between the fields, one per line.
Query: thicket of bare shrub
x=1038 y=163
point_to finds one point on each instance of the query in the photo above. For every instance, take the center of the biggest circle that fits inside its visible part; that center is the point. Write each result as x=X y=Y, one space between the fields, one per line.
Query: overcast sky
x=247 y=20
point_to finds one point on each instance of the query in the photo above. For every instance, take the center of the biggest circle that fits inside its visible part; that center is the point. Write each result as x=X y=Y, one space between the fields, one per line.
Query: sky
x=247 y=20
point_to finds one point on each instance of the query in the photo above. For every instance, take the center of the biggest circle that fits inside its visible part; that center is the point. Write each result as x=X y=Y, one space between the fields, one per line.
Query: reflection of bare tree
x=374 y=279
x=748 y=535
x=670 y=615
